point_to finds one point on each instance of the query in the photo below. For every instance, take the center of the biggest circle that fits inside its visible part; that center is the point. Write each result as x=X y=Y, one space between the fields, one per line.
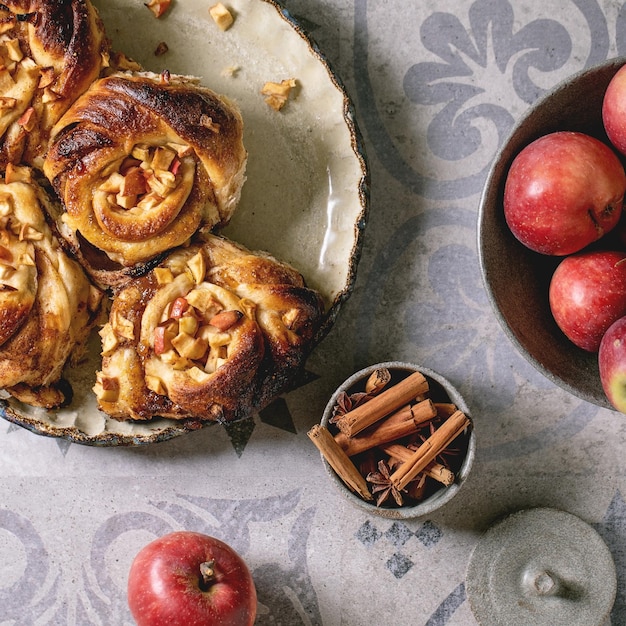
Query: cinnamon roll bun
x=50 y=52
x=141 y=163
x=215 y=332
x=47 y=305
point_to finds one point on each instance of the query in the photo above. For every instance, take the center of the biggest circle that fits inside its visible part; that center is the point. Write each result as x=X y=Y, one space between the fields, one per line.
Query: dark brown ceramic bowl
x=516 y=278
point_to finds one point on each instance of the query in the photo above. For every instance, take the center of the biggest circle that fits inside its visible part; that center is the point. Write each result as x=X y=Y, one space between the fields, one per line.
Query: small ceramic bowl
x=516 y=278
x=440 y=390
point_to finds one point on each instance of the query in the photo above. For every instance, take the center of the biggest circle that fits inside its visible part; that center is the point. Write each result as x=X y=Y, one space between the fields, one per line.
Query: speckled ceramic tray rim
x=307 y=172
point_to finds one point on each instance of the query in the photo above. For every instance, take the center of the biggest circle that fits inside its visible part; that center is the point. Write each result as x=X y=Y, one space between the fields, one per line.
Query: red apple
x=190 y=579
x=612 y=364
x=614 y=110
x=563 y=191
x=587 y=294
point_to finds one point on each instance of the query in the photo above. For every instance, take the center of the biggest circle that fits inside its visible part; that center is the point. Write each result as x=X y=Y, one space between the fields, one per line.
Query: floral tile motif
x=40 y=593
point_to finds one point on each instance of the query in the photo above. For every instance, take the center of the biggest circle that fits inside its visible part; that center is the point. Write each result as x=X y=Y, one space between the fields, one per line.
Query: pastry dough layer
x=47 y=304
x=215 y=332
x=142 y=161
x=51 y=51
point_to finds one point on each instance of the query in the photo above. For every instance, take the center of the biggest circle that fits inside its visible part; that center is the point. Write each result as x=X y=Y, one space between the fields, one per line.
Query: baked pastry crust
x=47 y=305
x=140 y=170
x=142 y=162
x=51 y=52
x=215 y=332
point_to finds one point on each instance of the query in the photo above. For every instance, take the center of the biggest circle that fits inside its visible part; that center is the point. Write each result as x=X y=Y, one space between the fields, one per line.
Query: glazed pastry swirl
x=47 y=305
x=50 y=52
x=286 y=310
x=141 y=162
x=189 y=341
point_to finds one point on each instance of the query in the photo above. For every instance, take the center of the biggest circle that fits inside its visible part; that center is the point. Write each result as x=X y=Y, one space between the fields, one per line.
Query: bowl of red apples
x=552 y=235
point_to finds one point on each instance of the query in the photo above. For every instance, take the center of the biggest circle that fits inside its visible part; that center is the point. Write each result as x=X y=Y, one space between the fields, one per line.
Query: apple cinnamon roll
x=213 y=333
x=141 y=163
x=50 y=52
x=288 y=313
x=47 y=305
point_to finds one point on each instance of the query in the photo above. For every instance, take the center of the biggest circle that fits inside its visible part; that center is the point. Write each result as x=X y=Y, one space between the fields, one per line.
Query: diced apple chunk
x=122 y=326
x=172 y=358
x=112 y=184
x=17 y=173
x=277 y=94
x=163 y=336
x=134 y=182
x=195 y=373
x=28 y=119
x=126 y=202
x=226 y=319
x=178 y=307
x=162 y=158
x=204 y=301
x=46 y=78
x=109 y=340
x=149 y=201
x=13 y=50
x=158 y=7
x=189 y=347
x=107 y=389
x=157 y=186
x=182 y=150
x=221 y=16
x=163 y=275
x=188 y=324
x=141 y=152
x=197 y=267
x=49 y=95
x=154 y=383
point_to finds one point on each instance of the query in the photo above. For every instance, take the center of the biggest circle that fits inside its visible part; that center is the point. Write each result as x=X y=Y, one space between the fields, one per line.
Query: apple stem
x=207 y=574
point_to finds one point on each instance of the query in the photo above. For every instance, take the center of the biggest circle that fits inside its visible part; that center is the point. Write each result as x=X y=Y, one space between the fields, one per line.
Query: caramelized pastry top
x=47 y=304
x=51 y=51
x=143 y=161
x=214 y=333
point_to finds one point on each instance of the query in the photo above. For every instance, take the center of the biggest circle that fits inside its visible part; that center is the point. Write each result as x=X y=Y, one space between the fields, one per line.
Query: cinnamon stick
x=339 y=461
x=440 y=473
x=417 y=488
x=400 y=424
x=445 y=409
x=383 y=404
x=407 y=412
x=438 y=441
x=435 y=470
x=377 y=380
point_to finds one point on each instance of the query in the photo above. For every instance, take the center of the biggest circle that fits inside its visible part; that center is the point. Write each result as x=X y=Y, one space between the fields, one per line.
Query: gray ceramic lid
x=541 y=567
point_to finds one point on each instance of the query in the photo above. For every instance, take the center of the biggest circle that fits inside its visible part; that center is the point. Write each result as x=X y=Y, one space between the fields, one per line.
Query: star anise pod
x=343 y=405
x=346 y=402
x=382 y=486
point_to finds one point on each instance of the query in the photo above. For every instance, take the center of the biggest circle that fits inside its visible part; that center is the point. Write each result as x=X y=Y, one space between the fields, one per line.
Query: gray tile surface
x=437 y=86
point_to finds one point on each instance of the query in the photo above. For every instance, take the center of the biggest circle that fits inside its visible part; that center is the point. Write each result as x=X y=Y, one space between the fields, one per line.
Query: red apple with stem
x=612 y=364
x=190 y=579
x=562 y=192
x=614 y=110
x=587 y=294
